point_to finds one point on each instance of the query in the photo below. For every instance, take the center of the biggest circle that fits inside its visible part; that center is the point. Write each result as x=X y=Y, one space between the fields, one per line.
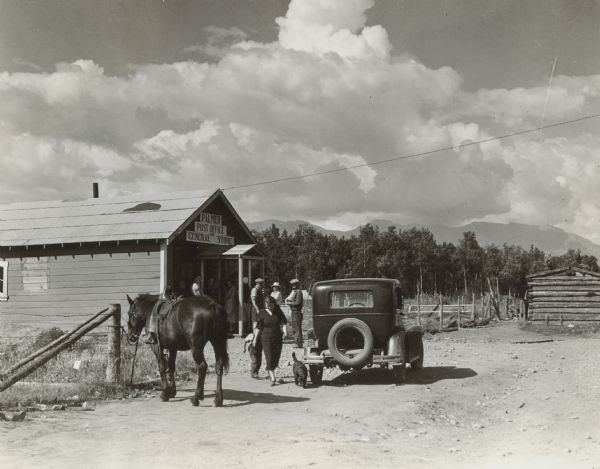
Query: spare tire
x=350 y=325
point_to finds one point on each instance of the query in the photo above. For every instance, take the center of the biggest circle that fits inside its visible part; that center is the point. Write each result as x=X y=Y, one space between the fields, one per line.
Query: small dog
x=300 y=372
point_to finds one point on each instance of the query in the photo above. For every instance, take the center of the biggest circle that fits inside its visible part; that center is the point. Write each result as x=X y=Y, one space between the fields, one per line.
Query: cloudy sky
x=160 y=96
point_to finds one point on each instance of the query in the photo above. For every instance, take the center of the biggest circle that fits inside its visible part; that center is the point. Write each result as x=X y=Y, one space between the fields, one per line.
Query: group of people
x=270 y=325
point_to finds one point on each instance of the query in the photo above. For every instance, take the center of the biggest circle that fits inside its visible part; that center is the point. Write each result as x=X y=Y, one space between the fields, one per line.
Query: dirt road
x=481 y=401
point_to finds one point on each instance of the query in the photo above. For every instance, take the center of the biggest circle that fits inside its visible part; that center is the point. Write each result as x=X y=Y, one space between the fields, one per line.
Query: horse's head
x=139 y=309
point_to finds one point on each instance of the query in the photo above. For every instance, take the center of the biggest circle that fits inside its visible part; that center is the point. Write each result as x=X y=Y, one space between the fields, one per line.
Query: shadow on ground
x=241 y=398
x=427 y=375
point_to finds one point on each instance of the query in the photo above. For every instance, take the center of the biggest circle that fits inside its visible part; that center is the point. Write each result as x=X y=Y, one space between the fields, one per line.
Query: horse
x=192 y=323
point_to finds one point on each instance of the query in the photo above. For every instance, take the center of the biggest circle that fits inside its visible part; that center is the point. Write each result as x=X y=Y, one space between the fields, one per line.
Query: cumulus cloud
x=329 y=94
x=329 y=26
x=218 y=41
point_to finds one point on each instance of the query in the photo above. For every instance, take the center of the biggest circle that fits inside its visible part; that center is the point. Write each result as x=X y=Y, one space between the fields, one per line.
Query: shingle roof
x=131 y=217
x=546 y=273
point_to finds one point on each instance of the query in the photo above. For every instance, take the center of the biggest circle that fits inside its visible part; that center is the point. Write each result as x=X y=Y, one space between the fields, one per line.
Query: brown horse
x=192 y=323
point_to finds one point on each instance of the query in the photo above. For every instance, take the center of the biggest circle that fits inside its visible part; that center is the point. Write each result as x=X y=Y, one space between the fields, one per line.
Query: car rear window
x=351 y=299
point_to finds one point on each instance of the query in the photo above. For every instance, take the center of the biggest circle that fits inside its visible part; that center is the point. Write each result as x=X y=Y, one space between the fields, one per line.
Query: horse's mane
x=147 y=296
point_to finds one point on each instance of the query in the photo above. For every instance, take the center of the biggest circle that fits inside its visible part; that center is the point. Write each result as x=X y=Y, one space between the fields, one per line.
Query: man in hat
x=295 y=302
x=257 y=297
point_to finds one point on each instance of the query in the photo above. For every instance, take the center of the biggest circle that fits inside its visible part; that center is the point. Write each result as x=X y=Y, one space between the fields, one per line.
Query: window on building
x=3 y=280
x=351 y=299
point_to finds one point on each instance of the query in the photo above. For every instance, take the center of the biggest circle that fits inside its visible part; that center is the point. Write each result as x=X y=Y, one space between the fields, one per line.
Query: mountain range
x=549 y=239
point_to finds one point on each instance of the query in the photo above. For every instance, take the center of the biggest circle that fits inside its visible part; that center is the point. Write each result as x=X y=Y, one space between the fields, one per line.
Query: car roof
x=356 y=281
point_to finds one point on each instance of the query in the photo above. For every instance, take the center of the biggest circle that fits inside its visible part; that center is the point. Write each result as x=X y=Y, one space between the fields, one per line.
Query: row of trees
x=412 y=256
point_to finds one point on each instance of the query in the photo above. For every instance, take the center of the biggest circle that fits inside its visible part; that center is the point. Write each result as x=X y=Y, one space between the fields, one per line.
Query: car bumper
x=324 y=358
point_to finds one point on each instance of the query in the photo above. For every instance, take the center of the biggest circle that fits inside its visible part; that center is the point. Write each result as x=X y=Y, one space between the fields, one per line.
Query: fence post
x=459 y=308
x=32 y=363
x=441 y=312
x=522 y=309
x=419 y=309
x=113 y=367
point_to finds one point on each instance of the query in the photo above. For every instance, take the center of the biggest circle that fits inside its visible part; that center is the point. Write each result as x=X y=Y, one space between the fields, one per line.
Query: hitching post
x=113 y=368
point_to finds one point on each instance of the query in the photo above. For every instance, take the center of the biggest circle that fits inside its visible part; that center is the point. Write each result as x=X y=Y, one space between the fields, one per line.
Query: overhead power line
x=413 y=155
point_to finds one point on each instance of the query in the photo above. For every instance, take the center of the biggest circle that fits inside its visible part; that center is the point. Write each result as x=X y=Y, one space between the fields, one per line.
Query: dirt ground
x=482 y=401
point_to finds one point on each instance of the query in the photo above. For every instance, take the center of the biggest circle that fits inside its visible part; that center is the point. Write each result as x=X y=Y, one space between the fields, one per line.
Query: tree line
x=412 y=256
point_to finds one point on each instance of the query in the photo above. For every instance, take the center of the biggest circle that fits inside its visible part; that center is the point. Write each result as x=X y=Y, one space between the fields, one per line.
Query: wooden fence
x=113 y=369
x=445 y=313
x=465 y=313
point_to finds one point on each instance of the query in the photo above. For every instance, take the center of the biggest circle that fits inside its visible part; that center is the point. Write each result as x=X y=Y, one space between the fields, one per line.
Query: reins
x=137 y=342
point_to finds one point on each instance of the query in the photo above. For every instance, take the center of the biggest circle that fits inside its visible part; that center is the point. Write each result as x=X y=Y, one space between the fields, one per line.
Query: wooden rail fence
x=460 y=311
x=113 y=369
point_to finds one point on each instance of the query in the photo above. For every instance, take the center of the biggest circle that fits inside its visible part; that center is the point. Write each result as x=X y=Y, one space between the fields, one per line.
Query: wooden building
x=567 y=294
x=61 y=261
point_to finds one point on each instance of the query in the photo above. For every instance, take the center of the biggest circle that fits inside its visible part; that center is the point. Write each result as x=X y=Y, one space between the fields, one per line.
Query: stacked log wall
x=564 y=298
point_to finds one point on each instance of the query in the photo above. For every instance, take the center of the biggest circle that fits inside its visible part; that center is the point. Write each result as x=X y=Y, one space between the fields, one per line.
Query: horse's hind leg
x=158 y=353
x=222 y=362
x=171 y=389
x=198 y=354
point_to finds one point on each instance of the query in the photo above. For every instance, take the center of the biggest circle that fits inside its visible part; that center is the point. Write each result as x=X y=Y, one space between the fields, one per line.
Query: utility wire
x=413 y=155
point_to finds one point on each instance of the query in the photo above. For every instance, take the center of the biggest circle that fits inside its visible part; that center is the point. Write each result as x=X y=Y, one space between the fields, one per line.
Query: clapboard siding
x=570 y=294
x=64 y=290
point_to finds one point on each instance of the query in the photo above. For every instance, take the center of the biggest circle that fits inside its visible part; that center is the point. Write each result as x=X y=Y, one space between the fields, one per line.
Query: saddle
x=164 y=306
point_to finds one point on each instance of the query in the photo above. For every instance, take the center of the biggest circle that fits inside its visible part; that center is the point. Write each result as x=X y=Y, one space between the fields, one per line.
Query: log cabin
x=567 y=294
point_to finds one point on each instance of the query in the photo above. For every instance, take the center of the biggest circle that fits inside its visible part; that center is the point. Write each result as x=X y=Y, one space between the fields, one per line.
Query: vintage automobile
x=358 y=322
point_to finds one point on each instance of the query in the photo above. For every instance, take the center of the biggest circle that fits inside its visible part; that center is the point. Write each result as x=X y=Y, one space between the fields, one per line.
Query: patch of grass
x=30 y=393
x=81 y=371
x=46 y=337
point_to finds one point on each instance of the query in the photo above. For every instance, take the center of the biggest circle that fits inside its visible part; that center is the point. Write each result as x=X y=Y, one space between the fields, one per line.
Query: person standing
x=197 y=286
x=276 y=293
x=231 y=301
x=295 y=302
x=212 y=289
x=270 y=329
x=257 y=297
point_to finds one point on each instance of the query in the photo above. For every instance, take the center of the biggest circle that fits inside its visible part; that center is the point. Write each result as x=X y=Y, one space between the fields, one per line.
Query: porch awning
x=244 y=250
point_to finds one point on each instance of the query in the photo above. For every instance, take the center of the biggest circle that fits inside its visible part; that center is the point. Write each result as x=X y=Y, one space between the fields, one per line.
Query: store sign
x=210 y=230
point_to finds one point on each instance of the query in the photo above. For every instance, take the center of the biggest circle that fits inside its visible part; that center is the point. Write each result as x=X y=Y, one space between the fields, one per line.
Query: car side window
x=351 y=299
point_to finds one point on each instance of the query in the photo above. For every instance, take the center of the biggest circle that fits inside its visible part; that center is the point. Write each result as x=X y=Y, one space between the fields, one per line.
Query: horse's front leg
x=162 y=366
x=198 y=354
x=171 y=389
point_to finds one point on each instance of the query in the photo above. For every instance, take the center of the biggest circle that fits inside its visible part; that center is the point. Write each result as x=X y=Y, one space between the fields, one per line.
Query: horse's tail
x=221 y=331
x=225 y=359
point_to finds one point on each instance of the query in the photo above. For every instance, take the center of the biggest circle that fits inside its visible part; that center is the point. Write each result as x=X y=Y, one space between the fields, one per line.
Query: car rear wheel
x=316 y=374
x=417 y=364
x=350 y=342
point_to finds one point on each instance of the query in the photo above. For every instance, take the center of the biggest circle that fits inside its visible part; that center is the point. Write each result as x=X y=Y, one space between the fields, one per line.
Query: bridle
x=132 y=337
